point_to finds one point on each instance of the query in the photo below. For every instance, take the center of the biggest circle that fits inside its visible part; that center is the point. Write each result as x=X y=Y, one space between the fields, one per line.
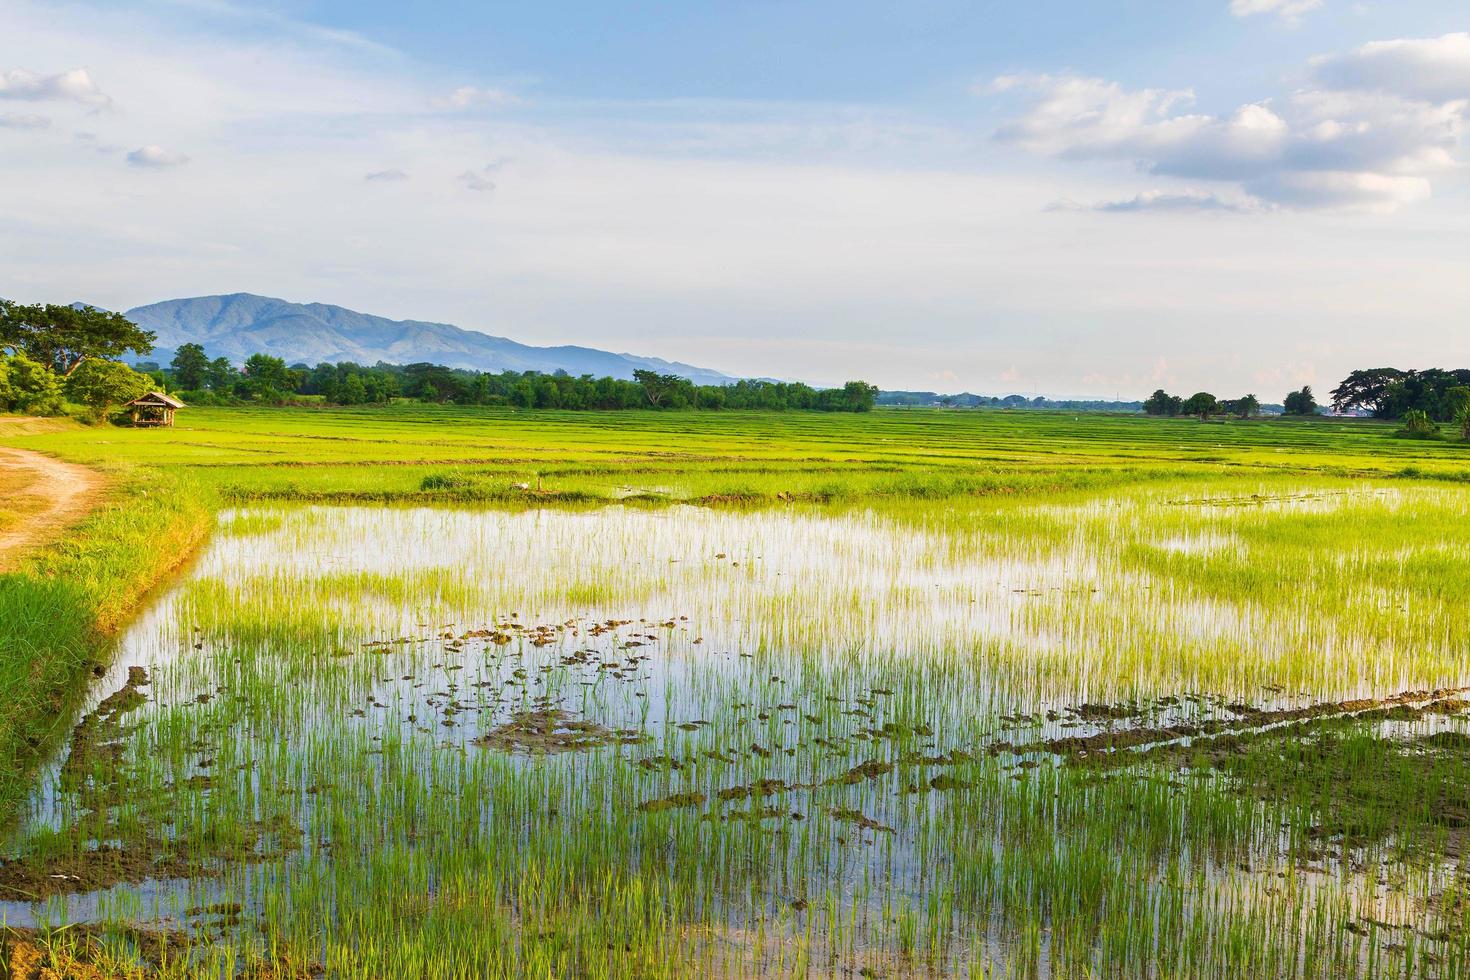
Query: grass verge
x=60 y=607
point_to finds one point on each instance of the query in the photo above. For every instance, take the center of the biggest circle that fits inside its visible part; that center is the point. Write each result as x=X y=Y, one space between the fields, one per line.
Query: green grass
x=835 y=685
x=62 y=605
x=422 y=452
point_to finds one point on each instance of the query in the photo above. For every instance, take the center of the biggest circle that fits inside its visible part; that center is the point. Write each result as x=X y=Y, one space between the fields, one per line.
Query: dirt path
x=41 y=497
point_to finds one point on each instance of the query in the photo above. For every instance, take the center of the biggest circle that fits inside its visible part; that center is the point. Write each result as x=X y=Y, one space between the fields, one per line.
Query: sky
x=1067 y=197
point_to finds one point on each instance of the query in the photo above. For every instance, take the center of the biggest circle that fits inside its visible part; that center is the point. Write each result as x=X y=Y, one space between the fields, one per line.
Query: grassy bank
x=61 y=607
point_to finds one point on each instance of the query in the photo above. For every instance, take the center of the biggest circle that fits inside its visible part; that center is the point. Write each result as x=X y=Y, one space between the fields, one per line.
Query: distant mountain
x=241 y=324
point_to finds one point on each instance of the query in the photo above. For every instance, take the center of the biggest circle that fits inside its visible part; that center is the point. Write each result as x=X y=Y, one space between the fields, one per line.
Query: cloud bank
x=69 y=86
x=1371 y=132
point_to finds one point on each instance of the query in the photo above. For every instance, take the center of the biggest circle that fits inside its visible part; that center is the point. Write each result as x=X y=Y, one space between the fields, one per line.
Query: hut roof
x=157 y=398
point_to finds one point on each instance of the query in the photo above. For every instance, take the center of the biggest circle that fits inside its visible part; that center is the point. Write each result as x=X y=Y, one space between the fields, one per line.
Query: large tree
x=222 y=376
x=267 y=378
x=190 y=366
x=102 y=384
x=1300 y=402
x=1366 y=388
x=657 y=387
x=63 y=337
x=1201 y=403
x=1246 y=406
x=1163 y=403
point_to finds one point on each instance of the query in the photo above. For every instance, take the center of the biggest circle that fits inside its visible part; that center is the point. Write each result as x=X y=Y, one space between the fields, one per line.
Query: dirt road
x=40 y=498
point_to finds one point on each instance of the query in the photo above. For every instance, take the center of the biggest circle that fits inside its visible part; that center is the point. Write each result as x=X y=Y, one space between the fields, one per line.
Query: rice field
x=925 y=694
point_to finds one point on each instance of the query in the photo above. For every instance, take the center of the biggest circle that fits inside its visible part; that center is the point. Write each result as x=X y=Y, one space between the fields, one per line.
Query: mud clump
x=762 y=788
x=677 y=801
x=552 y=731
x=859 y=819
x=97 y=737
x=871 y=769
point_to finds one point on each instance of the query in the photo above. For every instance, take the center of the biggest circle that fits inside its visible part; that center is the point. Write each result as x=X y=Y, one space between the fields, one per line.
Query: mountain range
x=240 y=324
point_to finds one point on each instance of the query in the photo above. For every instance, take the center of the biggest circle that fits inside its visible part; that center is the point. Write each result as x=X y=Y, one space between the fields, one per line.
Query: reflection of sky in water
x=773 y=611
x=1034 y=621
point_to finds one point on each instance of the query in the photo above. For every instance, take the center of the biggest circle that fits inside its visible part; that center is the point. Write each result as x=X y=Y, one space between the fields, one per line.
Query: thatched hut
x=154 y=408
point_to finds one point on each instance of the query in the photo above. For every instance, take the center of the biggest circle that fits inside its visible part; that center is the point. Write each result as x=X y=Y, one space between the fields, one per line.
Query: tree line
x=1205 y=405
x=965 y=399
x=269 y=379
x=1391 y=393
x=56 y=359
x=1421 y=400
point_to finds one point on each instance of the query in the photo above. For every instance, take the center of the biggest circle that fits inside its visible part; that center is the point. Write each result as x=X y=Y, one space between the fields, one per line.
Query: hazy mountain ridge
x=240 y=324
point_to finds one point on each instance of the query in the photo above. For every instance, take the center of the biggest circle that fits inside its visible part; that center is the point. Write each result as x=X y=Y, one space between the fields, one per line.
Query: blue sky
x=1060 y=196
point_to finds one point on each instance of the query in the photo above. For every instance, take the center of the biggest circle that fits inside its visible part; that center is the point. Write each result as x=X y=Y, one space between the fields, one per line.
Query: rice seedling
x=1106 y=717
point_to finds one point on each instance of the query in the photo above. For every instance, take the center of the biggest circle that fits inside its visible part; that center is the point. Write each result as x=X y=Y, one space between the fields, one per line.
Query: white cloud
x=1177 y=201
x=1341 y=189
x=23 y=120
x=1358 y=147
x=472 y=97
x=472 y=180
x=482 y=179
x=386 y=176
x=1286 y=9
x=156 y=157
x=72 y=86
x=1429 y=69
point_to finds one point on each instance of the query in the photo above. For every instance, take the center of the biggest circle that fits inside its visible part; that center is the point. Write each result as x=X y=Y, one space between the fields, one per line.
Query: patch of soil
x=52 y=496
x=1405 y=706
x=551 y=731
x=672 y=802
x=94 y=866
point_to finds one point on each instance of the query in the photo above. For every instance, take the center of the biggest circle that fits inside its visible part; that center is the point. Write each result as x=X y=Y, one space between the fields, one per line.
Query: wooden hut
x=154 y=408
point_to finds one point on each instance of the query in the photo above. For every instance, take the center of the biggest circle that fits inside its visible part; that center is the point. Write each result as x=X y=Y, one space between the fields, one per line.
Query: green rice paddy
x=467 y=694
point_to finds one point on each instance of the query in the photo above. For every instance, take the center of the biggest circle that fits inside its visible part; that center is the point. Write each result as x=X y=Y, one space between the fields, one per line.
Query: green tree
x=267 y=378
x=102 y=384
x=63 y=337
x=28 y=387
x=1463 y=421
x=1455 y=402
x=1300 y=402
x=353 y=391
x=1246 y=406
x=190 y=366
x=657 y=387
x=860 y=396
x=1163 y=403
x=1201 y=403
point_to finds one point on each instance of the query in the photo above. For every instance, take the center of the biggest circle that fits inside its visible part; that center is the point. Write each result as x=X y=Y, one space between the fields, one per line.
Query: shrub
x=29 y=387
x=1418 y=425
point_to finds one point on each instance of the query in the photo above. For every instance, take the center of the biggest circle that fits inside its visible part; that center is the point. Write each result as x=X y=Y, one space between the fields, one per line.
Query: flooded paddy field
x=1169 y=730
